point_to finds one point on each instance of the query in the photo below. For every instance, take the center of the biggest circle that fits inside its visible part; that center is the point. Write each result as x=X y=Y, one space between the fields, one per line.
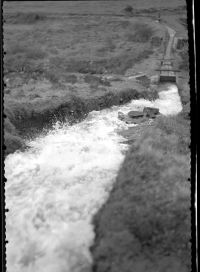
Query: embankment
x=26 y=120
x=145 y=224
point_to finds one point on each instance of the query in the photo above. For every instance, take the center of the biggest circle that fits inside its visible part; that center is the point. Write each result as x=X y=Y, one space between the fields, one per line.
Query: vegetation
x=25 y=18
x=95 y=80
x=20 y=57
x=145 y=225
x=183 y=21
x=72 y=45
x=128 y=10
x=184 y=65
x=142 y=33
x=12 y=143
x=27 y=119
x=116 y=64
x=12 y=139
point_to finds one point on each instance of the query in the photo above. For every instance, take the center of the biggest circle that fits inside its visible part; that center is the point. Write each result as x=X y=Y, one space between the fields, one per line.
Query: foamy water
x=54 y=188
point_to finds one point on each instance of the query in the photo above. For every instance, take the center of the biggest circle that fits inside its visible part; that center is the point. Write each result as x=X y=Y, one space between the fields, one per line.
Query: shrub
x=128 y=10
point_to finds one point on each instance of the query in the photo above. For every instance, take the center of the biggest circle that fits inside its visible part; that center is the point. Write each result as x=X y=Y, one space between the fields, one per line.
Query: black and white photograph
x=97 y=135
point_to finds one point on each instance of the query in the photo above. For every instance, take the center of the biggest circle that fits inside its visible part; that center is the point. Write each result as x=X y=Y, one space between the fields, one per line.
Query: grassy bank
x=145 y=224
x=26 y=120
x=58 y=69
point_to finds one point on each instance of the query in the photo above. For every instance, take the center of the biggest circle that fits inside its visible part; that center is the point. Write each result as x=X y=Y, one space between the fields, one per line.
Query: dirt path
x=172 y=33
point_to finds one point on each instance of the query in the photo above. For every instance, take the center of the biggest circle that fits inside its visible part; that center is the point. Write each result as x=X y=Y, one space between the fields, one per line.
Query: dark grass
x=142 y=33
x=145 y=224
x=184 y=22
x=93 y=80
x=12 y=142
x=28 y=56
x=20 y=57
x=156 y=41
x=25 y=18
x=29 y=118
x=117 y=64
x=184 y=65
x=128 y=10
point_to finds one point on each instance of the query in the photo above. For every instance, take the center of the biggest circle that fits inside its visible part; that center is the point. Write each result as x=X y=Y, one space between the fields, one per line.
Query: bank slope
x=145 y=224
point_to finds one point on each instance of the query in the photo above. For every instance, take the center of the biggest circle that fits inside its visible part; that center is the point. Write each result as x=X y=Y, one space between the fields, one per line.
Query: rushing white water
x=54 y=188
